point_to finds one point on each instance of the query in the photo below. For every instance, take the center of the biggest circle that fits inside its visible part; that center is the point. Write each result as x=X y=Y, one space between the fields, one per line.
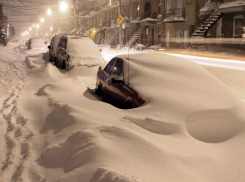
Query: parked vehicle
x=53 y=47
x=77 y=51
x=111 y=81
x=3 y=39
x=35 y=43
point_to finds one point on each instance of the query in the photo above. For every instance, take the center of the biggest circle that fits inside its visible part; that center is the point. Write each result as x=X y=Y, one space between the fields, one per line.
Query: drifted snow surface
x=191 y=127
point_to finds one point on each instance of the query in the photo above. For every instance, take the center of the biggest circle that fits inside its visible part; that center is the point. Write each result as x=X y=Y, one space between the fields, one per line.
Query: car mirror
x=49 y=47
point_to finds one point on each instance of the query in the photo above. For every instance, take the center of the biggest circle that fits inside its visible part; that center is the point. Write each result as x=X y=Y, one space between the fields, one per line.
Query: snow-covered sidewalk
x=54 y=129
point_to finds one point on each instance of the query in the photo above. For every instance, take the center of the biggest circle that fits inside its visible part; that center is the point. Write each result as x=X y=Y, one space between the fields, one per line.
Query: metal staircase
x=111 y=36
x=134 y=37
x=207 y=20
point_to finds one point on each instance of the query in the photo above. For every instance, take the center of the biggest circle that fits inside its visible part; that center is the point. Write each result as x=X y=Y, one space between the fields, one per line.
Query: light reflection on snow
x=224 y=63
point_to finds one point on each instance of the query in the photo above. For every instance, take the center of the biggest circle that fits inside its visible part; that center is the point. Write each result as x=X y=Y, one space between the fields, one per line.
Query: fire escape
x=207 y=21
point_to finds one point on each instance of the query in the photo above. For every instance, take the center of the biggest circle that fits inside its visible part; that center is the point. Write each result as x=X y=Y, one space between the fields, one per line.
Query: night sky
x=23 y=13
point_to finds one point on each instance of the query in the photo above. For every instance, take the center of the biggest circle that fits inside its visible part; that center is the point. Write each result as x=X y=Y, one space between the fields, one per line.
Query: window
x=159 y=6
x=169 y=5
x=147 y=10
x=62 y=43
x=109 y=67
x=118 y=68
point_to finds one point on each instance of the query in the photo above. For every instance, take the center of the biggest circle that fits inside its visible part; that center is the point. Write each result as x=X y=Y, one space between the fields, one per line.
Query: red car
x=110 y=82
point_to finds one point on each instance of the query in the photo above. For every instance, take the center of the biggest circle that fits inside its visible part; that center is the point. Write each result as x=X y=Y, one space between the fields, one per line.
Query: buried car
x=36 y=43
x=77 y=51
x=111 y=81
x=53 y=46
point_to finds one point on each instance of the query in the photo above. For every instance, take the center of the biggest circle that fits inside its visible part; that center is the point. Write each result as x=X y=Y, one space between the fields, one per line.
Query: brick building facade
x=153 y=22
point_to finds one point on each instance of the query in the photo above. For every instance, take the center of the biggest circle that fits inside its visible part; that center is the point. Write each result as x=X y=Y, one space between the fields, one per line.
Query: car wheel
x=128 y=105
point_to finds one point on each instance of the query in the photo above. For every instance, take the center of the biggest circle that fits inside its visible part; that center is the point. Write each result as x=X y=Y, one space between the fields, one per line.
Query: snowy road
x=231 y=72
x=54 y=130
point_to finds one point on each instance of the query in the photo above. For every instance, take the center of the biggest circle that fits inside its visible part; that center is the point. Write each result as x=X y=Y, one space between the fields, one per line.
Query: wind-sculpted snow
x=191 y=127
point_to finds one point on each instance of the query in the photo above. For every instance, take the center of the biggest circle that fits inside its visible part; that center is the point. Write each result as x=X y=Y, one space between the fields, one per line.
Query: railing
x=147 y=15
x=175 y=14
x=212 y=9
x=95 y=9
x=106 y=23
x=113 y=22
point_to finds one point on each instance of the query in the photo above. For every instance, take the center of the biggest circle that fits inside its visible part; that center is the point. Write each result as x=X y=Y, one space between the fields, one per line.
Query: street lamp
x=37 y=26
x=33 y=25
x=51 y=29
x=42 y=20
x=27 y=32
x=49 y=12
x=30 y=28
x=63 y=6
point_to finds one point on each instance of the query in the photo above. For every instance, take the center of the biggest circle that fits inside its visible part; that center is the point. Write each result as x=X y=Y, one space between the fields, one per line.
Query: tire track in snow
x=17 y=134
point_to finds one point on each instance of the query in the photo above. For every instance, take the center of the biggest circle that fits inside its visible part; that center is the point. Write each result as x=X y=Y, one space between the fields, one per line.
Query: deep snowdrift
x=190 y=128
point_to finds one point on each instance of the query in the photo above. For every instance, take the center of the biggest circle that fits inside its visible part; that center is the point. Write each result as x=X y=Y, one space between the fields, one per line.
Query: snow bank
x=191 y=127
x=190 y=122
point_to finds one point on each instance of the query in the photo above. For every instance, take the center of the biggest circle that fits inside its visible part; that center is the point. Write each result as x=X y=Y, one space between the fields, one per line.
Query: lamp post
x=75 y=16
x=63 y=6
x=49 y=12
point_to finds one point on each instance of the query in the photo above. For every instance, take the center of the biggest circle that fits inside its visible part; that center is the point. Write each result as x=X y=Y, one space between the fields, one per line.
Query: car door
x=117 y=81
x=106 y=78
x=61 y=55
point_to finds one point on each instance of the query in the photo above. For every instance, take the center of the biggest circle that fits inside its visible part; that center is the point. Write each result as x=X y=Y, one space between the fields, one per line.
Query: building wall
x=190 y=18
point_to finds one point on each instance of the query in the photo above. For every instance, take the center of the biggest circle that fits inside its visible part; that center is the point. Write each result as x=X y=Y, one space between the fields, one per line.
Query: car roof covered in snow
x=83 y=51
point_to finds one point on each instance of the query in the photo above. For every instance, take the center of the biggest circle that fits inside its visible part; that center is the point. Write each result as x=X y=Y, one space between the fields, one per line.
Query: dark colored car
x=77 y=51
x=110 y=81
x=53 y=47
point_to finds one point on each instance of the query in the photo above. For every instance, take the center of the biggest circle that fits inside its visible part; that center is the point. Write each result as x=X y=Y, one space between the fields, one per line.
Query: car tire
x=128 y=105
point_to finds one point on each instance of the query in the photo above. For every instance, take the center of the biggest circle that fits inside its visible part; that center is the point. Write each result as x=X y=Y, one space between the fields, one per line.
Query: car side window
x=109 y=66
x=63 y=43
x=118 y=68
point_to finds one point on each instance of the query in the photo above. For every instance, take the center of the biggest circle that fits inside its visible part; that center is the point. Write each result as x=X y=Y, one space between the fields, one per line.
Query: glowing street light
x=33 y=25
x=63 y=6
x=37 y=26
x=49 y=12
x=30 y=28
x=27 y=32
x=42 y=20
x=51 y=29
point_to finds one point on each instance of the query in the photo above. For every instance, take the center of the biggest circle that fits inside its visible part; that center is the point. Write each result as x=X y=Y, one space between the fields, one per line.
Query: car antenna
x=128 y=65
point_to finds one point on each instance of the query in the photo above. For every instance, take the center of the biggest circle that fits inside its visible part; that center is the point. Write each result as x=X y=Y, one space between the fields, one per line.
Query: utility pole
x=120 y=25
x=75 y=15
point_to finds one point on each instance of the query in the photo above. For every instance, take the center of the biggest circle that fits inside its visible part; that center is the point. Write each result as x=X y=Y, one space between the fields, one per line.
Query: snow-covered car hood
x=161 y=78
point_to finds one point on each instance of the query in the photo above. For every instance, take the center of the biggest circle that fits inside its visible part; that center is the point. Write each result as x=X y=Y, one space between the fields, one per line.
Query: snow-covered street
x=191 y=128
